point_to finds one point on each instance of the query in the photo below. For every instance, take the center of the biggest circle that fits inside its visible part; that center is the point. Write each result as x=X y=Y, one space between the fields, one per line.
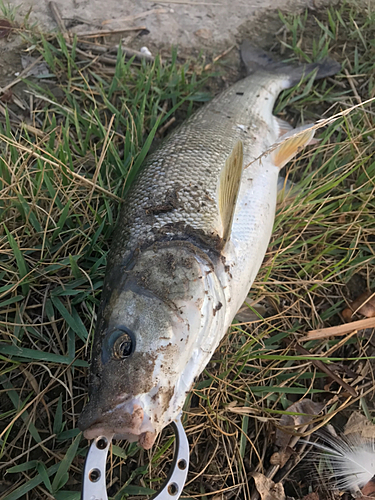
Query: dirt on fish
x=170 y=202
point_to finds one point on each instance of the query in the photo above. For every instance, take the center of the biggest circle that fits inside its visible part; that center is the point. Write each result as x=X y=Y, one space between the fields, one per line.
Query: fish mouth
x=126 y=421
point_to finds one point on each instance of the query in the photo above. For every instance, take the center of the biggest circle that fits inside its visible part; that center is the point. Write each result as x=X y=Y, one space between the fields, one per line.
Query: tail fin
x=256 y=59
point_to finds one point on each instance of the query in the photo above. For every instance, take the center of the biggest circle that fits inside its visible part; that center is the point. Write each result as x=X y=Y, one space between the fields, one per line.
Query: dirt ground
x=210 y=26
x=196 y=24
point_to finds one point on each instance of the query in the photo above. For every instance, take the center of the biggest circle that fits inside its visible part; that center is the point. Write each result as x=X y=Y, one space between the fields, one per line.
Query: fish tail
x=256 y=59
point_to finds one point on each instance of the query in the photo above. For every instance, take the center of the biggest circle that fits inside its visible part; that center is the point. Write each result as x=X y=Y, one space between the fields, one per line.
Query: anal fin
x=229 y=185
x=282 y=126
x=292 y=144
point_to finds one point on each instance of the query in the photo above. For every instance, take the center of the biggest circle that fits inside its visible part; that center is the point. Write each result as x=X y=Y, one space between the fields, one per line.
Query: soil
x=208 y=26
x=199 y=24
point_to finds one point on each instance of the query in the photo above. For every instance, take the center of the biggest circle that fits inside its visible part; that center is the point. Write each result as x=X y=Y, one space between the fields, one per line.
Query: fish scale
x=188 y=166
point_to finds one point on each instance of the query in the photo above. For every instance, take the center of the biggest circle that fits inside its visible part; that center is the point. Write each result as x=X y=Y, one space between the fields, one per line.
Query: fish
x=190 y=239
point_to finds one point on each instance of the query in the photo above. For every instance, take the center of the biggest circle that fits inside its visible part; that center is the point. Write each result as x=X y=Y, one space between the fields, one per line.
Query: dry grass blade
x=323 y=333
x=321 y=366
x=23 y=74
x=97 y=34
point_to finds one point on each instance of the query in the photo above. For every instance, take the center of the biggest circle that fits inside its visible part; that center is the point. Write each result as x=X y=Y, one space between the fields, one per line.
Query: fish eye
x=122 y=348
x=118 y=344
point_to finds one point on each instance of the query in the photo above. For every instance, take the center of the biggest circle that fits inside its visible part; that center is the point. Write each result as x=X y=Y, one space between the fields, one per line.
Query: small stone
x=204 y=33
x=144 y=50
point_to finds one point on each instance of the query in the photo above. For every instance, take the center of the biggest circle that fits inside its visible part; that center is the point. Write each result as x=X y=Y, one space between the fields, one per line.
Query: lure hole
x=182 y=464
x=94 y=475
x=173 y=489
x=102 y=443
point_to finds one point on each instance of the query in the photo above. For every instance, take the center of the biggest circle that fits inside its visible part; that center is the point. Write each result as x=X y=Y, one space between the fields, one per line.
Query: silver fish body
x=189 y=243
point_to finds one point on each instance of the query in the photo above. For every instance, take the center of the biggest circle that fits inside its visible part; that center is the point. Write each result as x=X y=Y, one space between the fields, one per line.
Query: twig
x=21 y=75
x=102 y=58
x=166 y=126
x=96 y=34
x=57 y=16
x=322 y=366
x=106 y=58
x=82 y=20
x=94 y=47
x=102 y=49
x=334 y=331
x=131 y=52
x=223 y=54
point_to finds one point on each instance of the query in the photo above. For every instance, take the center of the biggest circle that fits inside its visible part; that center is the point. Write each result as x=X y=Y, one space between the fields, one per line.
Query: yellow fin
x=291 y=146
x=229 y=185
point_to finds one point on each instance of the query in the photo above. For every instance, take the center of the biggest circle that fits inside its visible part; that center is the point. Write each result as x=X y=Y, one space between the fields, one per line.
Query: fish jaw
x=177 y=323
x=126 y=421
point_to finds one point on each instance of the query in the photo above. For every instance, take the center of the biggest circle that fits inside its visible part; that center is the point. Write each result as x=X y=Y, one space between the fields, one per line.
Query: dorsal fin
x=291 y=146
x=229 y=185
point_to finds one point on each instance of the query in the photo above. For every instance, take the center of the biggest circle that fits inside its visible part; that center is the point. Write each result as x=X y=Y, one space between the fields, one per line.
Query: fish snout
x=126 y=421
x=147 y=439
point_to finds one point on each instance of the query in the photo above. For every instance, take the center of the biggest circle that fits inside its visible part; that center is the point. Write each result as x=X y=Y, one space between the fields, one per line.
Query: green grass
x=61 y=180
x=8 y=11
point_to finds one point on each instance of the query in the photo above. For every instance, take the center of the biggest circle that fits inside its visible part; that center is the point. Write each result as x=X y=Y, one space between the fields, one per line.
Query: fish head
x=160 y=321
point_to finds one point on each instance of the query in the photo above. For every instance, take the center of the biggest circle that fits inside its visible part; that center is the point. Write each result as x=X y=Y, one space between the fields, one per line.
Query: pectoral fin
x=292 y=145
x=229 y=185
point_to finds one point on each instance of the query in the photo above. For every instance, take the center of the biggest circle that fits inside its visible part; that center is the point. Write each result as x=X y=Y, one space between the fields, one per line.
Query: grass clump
x=62 y=177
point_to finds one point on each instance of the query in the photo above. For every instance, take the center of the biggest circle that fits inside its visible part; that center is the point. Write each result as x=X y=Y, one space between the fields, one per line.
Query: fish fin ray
x=229 y=185
x=291 y=145
x=282 y=126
